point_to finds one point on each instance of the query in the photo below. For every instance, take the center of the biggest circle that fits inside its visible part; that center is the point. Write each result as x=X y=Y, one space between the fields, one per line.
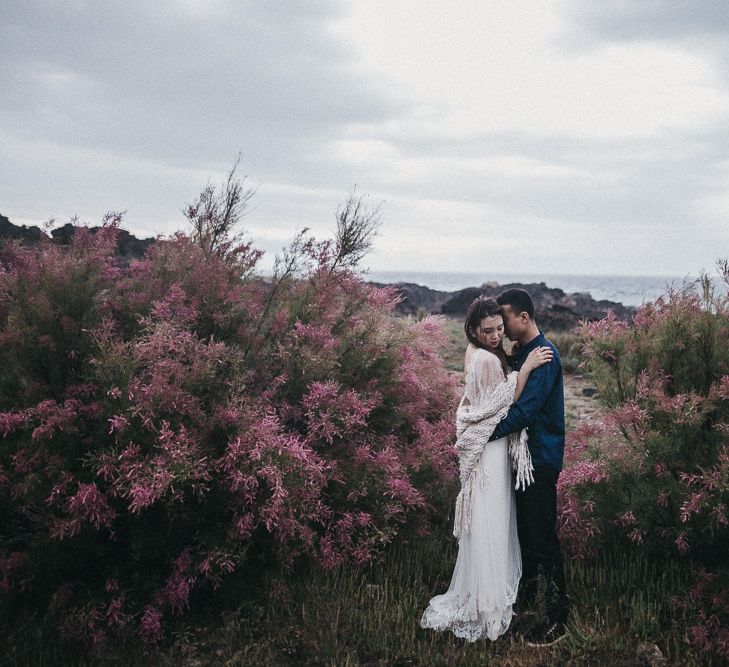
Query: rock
x=649 y=654
x=27 y=235
x=64 y=234
x=417 y=298
x=555 y=310
x=128 y=245
x=589 y=391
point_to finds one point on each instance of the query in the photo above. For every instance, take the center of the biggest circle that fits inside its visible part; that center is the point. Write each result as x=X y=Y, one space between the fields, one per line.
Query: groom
x=540 y=409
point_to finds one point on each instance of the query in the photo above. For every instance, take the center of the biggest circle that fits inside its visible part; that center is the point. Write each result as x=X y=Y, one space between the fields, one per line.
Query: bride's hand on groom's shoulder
x=538 y=357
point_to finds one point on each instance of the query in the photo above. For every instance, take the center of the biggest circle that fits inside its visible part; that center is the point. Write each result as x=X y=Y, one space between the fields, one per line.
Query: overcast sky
x=556 y=137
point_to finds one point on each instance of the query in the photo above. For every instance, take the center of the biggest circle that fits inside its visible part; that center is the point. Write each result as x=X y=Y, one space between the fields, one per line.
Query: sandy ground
x=579 y=405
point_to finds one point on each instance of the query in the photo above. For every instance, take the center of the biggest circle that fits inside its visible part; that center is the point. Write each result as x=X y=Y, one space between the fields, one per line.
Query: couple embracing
x=510 y=427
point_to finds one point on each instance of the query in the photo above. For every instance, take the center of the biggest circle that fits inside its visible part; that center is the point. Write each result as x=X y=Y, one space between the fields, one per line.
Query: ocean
x=628 y=290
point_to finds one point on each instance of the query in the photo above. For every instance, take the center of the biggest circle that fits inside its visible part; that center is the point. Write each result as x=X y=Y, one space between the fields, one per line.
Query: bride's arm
x=537 y=357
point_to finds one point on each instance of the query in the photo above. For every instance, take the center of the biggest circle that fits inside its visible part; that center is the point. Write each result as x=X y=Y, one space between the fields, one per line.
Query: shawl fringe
x=474 y=427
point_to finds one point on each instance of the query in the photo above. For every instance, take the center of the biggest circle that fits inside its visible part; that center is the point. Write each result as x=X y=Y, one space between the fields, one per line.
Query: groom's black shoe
x=546 y=634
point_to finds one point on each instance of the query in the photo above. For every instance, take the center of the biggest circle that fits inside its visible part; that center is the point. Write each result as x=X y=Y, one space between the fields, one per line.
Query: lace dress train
x=478 y=603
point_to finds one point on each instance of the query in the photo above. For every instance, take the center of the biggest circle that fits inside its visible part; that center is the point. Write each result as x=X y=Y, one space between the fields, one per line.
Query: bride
x=486 y=576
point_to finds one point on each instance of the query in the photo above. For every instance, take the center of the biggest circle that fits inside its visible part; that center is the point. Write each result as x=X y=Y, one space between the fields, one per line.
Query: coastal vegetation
x=167 y=422
x=199 y=465
x=651 y=476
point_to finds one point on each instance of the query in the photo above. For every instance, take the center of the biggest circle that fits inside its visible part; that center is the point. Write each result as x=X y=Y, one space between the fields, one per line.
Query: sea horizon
x=628 y=290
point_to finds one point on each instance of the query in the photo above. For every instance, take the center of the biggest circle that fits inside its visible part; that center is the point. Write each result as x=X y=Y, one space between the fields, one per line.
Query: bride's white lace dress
x=479 y=600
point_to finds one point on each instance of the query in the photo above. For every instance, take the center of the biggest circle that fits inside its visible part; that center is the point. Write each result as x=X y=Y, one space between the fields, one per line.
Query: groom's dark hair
x=519 y=300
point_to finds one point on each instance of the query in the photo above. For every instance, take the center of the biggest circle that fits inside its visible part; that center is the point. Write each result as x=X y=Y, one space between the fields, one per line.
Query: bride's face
x=490 y=331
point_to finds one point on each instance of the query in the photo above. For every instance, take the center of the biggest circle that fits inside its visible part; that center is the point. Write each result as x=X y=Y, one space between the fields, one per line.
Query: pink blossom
x=691 y=506
x=116 y=617
x=150 y=625
x=721 y=388
x=56 y=418
x=177 y=588
x=90 y=505
x=244 y=526
x=403 y=490
x=635 y=535
x=719 y=512
x=175 y=305
x=226 y=402
x=722 y=642
x=115 y=393
x=699 y=637
x=118 y=423
x=10 y=566
x=11 y=421
x=141 y=497
x=318 y=336
x=333 y=413
x=682 y=542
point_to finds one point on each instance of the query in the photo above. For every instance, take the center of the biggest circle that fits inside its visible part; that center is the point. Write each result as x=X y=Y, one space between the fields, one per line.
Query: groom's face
x=515 y=324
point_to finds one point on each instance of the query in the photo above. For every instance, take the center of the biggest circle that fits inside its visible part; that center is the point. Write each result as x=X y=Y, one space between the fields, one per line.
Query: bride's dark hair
x=480 y=308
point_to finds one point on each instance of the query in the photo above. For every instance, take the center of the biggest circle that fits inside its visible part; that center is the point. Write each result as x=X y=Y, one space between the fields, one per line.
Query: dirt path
x=580 y=402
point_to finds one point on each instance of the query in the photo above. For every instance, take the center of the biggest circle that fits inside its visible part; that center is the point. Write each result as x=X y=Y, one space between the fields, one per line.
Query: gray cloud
x=650 y=181
x=654 y=19
x=152 y=80
x=136 y=104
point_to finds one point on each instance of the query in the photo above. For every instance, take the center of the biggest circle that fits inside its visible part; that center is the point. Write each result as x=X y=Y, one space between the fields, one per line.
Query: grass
x=569 y=345
x=453 y=355
x=369 y=616
x=354 y=616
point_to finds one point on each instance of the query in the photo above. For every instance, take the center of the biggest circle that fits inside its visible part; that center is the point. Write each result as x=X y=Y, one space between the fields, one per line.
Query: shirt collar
x=536 y=341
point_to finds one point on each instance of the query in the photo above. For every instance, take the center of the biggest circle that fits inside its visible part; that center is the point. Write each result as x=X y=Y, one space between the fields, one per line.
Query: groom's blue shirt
x=540 y=408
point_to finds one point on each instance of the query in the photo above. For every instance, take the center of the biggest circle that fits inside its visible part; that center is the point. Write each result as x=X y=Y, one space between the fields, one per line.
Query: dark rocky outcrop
x=128 y=245
x=417 y=299
x=21 y=233
x=555 y=309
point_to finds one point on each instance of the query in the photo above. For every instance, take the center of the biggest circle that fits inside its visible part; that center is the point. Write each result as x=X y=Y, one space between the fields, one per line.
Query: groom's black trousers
x=536 y=515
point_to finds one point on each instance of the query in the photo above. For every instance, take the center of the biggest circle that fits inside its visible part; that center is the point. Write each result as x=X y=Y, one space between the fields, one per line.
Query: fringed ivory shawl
x=484 y=404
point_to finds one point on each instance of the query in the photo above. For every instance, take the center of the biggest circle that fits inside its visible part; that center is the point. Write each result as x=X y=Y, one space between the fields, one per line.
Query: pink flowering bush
x=653 y=473
x=160 y=421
